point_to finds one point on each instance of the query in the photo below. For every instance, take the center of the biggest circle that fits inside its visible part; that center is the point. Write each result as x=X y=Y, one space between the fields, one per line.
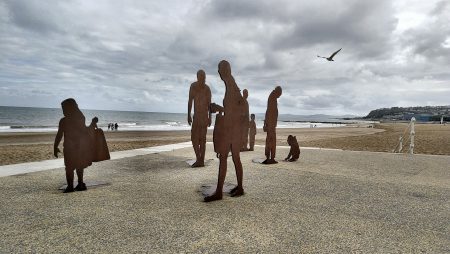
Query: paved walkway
x=327 y=202
x=23 y=168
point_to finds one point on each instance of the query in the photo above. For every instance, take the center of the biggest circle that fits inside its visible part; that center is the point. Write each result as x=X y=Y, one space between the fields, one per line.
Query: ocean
x=26 y=119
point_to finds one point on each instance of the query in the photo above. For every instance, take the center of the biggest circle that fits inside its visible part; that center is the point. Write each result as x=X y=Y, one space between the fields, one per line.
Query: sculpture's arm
x=215 y=108
x=191 y=98
x=58 y=138
x=209 y=108
x=289 y=155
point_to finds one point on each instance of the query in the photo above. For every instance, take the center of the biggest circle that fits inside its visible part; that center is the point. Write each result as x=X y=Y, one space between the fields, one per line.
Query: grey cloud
x=363 y=28
x=428 y=40
x=121 y=50
x=439 y=8
x=36 y=16
x=235 y=9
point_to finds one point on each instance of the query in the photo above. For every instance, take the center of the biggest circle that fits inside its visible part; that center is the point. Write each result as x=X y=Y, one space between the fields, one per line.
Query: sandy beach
x=430 y=139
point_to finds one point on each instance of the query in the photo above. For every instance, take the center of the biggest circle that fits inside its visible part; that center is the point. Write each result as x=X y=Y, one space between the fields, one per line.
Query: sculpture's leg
x=238 y=190
x=221 y=179
x=69 y=179
x=196 y=146
x=273 y=146
x=252 y=143
x=80 y=175
x=81 y=185
x=267 y=148
x=202 y=148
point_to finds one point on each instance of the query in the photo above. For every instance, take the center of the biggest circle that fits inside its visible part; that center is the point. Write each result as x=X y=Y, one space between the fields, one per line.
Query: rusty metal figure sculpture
x=252 y=132
x=245 y=124
x=294 y=152
x=227 y=132
x=200 y=94
x=270 y=125
x=82 y=145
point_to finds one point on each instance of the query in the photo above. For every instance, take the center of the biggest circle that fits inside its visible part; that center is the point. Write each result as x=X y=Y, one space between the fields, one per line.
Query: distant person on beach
x=200 y=94
x=270 y=125
x=109 y=126
x=227 y=132
x=116 y=126
x=252 y=132
x=294 y=152
x=245 y=124
x=79 y=143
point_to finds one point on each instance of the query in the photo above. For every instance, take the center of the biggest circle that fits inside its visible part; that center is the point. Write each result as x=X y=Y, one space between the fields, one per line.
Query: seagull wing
x=332 y=55
x=321 y=56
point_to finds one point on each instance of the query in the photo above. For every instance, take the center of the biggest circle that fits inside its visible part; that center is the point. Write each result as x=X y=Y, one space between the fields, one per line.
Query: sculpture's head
x=278 y=91
x=291 y=140
x=201 y=76
x=224 y=69
x=69 y=107
x=252 y=116
x=245 y=93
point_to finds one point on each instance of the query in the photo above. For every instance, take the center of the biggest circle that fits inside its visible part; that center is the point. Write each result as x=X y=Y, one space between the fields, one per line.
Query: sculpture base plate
x=89 y=184
x=191 y=162
x=258 y=160
x=209 y=189
x=261 y=160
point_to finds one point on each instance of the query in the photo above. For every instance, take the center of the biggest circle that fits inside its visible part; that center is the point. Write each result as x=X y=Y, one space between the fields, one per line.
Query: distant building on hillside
x=422 y=114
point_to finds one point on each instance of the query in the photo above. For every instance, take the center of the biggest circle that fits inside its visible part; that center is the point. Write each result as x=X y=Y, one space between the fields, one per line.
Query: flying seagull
x=332 y=55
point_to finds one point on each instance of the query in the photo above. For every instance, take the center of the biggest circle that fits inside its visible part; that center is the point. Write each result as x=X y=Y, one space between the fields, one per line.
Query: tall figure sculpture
x=270 y=125
x=200 y=94
x=246 y=123
x=228 y=132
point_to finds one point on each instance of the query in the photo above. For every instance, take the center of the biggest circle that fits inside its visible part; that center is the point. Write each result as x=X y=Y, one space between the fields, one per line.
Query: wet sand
x=430 y=139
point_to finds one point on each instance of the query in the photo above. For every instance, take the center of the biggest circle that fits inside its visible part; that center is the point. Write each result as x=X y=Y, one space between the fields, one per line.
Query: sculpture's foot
x=81 y=187
x=68 y=189
x=265 y=161
x=292 y=160
x=198 y=164
x=251 y=149
x=244 y=149
x=237 y=191
x=213 y=197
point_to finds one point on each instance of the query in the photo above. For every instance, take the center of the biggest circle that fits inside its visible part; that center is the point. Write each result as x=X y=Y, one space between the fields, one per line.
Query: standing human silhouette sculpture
x=200 y=94
x=79 y=143
x=270 y=125
x=228 y=133
x=245 y=124
x=252 y=131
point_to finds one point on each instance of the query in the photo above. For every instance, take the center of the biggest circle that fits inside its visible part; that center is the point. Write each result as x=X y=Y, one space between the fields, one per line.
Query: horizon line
x=355 y=115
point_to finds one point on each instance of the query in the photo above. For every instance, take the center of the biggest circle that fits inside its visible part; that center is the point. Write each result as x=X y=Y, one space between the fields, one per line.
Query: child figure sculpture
x=294 y=153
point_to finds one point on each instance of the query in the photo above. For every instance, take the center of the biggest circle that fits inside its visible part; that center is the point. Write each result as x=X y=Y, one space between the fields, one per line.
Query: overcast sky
x=143 y=55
